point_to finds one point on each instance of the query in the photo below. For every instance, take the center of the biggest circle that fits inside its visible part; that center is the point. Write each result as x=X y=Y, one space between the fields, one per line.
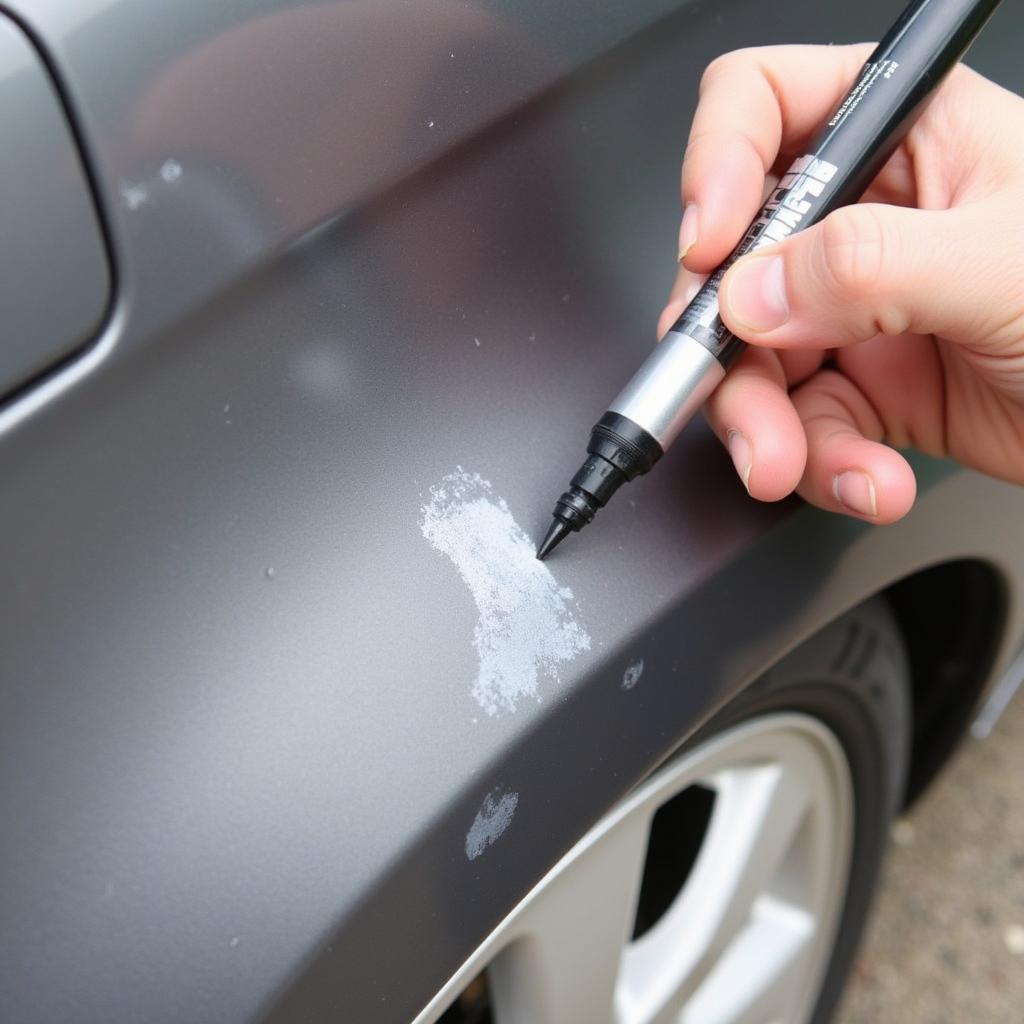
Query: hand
x=900 y=318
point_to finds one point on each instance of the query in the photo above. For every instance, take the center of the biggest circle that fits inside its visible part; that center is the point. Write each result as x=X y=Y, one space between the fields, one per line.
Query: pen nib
x=557 y=532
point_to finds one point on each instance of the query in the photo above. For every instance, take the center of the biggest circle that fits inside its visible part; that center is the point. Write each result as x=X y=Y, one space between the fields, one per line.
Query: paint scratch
x=494 y=816
x=527 y=624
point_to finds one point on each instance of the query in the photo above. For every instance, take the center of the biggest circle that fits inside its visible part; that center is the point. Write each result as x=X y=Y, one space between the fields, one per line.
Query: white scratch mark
x=133 y=195
x=476 y=341
x=632 y=674
x=430 y=124
x=170 y=171
x=527 y=623
x=493 y=818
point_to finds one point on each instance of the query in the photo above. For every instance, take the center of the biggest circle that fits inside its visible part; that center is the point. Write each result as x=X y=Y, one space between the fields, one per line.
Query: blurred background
x=945 y=944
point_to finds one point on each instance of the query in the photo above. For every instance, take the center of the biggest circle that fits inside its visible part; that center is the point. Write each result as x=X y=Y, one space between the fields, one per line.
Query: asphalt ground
x=945 y=943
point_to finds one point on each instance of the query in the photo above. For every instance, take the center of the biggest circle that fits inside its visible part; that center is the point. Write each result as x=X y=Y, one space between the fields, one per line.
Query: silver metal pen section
x=669 y=387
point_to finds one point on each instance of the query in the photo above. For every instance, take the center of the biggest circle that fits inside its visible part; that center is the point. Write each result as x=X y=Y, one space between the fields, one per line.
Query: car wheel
x=732 y=885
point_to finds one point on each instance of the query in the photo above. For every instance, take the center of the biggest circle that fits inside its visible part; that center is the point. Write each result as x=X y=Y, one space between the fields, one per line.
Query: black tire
x=854 y=677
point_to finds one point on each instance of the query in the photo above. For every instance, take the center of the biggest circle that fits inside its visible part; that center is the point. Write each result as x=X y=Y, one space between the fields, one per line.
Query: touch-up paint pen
x=892 y=89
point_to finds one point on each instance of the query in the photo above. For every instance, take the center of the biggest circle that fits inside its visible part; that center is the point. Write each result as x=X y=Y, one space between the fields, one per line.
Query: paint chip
x=493 y=818
x=632 y=674
x=133 y=195
x=170 y=171
x=527 y=624
x=1014 y=939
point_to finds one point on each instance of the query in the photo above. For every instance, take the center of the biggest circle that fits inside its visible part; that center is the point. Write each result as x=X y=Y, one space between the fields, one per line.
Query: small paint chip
x=493 y=818
x=234 y=942
x=133 y=195
x=632 y=674
x=269 y=572
x=170 y=171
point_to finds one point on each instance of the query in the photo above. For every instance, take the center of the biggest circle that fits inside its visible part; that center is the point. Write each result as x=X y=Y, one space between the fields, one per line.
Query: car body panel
x=238 y=747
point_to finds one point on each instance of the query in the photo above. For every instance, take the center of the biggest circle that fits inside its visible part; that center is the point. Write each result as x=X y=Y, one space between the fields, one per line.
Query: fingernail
x=757 y=293
x=742 y=456
x=688 y=230
x=855 y=490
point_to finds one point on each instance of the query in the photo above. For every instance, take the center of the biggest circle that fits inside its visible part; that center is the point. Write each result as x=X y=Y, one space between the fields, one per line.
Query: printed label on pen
x=873 y=72
x=787 y=209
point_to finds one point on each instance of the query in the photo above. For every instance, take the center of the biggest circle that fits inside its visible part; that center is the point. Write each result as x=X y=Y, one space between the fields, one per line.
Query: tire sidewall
x=853 y=677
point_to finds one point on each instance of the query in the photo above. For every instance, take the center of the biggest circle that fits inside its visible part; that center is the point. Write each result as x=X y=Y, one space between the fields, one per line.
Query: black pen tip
x=557 y=532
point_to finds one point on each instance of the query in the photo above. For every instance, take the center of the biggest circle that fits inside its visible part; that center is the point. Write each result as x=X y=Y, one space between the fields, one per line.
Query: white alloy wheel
x=748 y=937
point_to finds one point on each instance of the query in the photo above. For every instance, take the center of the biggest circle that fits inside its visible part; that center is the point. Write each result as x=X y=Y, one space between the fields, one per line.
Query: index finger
x=753 y=105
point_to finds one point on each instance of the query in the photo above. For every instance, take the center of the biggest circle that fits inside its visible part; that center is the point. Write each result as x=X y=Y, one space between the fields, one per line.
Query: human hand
x=900 y=318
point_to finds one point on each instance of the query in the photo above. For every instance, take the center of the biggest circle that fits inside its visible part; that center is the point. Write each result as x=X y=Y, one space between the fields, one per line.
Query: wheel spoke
x=757 y=814
x=562 y=965
x=769 y=954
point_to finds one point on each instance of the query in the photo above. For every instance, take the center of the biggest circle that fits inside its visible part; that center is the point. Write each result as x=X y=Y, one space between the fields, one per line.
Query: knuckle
x=855 y=251
x=722 y=66
x=710 y=73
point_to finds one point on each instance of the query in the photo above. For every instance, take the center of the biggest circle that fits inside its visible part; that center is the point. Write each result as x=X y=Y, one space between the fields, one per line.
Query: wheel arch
x=953 y=617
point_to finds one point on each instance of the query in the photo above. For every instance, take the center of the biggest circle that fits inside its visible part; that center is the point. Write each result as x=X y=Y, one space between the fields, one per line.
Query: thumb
x=871 y=269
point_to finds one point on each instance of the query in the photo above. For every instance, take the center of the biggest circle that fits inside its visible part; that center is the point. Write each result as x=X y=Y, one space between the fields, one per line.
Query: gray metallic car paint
x=231 y=793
